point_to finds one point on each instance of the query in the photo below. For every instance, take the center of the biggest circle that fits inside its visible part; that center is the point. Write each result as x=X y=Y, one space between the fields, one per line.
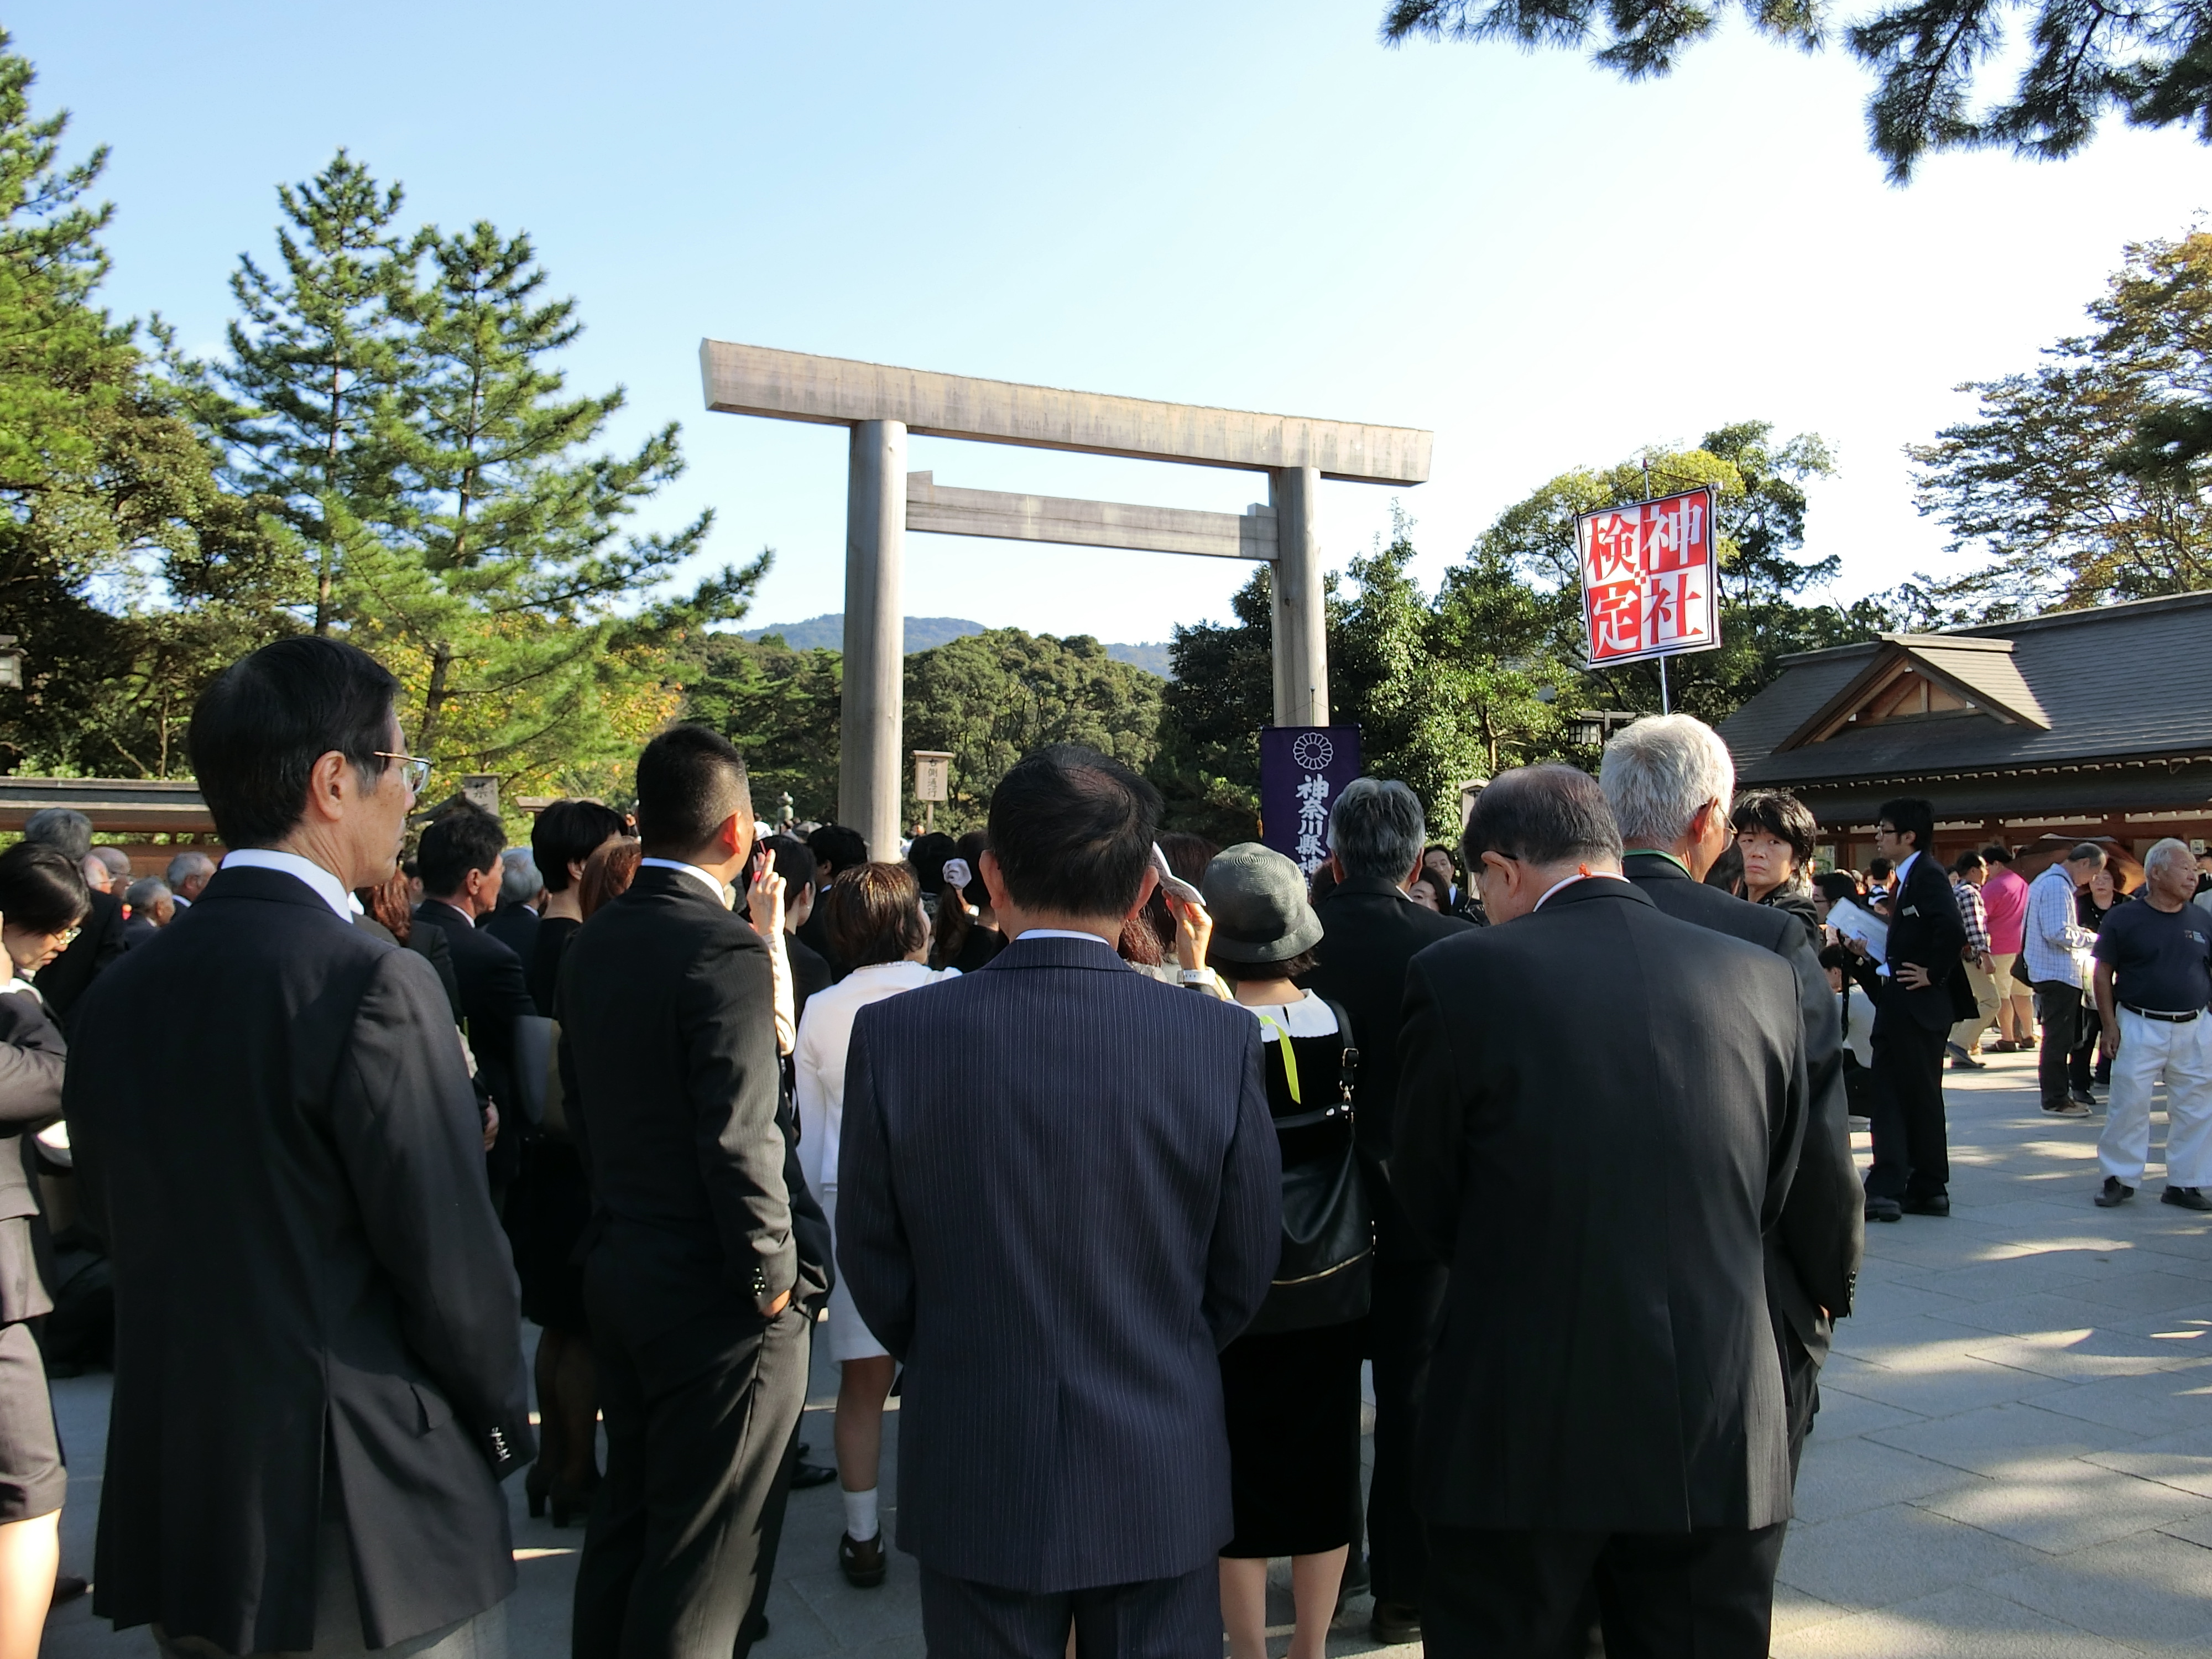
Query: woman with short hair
x=43 y=897
x=1775 y=833
x=873 y=915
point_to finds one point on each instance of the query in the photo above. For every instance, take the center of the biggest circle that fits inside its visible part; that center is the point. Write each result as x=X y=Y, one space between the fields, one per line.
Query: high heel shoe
x=574 y=1503
x=533 y=1487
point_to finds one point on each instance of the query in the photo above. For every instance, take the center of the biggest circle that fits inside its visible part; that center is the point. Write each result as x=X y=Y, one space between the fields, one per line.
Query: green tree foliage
x=126 y=572
x=1207 y=767
x=2083 y=481
x=989 y=698
x=780 y=707
x=2148 y=63
x=317 y=367
x=494 y=591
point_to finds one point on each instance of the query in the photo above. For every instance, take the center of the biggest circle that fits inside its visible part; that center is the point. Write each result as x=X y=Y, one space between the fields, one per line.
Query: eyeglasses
x=67 y=937
x=414 y=770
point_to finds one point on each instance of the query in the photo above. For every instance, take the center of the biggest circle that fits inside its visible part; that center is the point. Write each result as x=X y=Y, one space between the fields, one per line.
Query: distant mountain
x=827 y=633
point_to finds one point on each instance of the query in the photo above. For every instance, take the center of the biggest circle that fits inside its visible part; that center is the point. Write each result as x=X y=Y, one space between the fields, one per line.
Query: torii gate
x=882 y=406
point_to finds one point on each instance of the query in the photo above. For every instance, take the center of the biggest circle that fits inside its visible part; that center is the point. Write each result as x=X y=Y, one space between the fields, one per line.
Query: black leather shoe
x=1933 y=1204
x=861 y=1564
x=756 y=1628
x=2113 y=1191
x=2082 y=1097
x=805 y=1474
x=1394 y=1623
x=2066 y=1109
x=1884 y=1209
x=2190 y=1197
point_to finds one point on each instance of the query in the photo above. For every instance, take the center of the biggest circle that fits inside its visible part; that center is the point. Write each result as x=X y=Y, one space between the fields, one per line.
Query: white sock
x=859 y=1513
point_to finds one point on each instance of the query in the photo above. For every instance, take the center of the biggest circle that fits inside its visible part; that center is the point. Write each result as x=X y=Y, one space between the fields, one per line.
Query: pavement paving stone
x=2151 y=1590
x=1965 y=1623
x=1859 y=1473
x=2062 y=1504
x=1958 y=1383
x=2082 y=1354
x=2164 y=1403
x=1879 y=1558
x=1995 y=1439
x=2182 y=1460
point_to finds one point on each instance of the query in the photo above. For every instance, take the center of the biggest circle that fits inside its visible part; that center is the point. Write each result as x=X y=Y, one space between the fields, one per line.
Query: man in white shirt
x=2056 y=947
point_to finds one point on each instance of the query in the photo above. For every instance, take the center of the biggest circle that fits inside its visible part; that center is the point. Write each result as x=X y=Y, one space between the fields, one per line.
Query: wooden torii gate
x=881 y=405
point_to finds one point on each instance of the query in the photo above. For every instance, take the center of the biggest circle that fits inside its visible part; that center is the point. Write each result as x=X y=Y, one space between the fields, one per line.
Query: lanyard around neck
x=1290 y=1053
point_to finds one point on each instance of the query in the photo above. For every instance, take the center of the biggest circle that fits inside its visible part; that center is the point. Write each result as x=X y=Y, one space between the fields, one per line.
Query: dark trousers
x=1515 y=1595
x=1158 y=1619
x=700 y=1424
x=2069 y=1040
x=1402 y=1329
x=1912 y=1145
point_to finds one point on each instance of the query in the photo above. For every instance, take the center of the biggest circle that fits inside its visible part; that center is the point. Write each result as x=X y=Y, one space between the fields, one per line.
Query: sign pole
x=1665 y=706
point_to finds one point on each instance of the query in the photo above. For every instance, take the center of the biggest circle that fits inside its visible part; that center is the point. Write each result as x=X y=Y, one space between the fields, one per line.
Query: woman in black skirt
x=42 y=899
x=1291 y=1394
x=550 y=1202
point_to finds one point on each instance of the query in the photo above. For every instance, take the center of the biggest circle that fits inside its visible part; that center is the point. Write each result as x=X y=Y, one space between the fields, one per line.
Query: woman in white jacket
x=873 y=915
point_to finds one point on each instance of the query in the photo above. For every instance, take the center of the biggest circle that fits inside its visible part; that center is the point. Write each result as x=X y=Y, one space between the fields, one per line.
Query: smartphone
x=1173 y=885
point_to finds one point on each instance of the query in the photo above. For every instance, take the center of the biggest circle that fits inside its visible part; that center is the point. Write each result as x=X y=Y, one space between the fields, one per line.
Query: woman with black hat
x=1290 y=1383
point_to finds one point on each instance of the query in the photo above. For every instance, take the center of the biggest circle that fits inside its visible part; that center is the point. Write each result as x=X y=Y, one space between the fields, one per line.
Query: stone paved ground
x=2014 y=1461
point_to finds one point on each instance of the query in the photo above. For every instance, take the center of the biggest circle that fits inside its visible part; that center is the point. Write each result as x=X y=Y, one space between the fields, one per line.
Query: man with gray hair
x=1371 y=930
x=1599 y=1119
x=152 y=908
x=100 y=937
x=514 y=923
x=187 y=873
x=1671 y=777
x=2154 y=985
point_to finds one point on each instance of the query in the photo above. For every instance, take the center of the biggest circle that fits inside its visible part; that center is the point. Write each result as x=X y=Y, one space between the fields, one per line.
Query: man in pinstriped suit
x=1059 y=1198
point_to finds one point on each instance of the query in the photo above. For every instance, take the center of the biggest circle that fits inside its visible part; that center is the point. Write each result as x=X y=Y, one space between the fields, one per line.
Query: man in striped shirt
x=1966 y=1045
x=2057 y=951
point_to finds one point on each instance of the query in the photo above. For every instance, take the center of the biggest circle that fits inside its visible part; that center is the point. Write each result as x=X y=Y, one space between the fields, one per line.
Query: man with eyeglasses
x=1923 y=994
x=318 y=1376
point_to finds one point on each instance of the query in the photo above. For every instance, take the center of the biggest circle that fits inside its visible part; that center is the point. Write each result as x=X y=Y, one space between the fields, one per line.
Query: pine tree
x=315 y=360
x=499 y=599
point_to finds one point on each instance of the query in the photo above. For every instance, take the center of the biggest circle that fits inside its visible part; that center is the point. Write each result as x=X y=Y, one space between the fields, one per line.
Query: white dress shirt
x=325 y=885
x=704 y=878
x=826 y=1033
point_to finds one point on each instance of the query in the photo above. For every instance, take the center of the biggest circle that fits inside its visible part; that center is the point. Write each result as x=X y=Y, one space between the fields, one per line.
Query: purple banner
x=1303 y=770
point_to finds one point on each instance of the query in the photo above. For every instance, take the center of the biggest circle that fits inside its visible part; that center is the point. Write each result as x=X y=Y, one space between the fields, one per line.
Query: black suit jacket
x=100 y=940
x=308 y=1278
x=1058 y=1197
x=30 y=1099
x=1812 y=1254
x=514 y=926
x=1600 y=1113
x=1925 y=928
x=1370 y=930
x=809 y=972
x=493 y=996
x=666 y=1006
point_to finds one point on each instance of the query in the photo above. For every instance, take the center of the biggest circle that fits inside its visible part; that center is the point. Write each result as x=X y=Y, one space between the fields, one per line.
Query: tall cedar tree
x=498 y=599
x=126 y=574
x=316 y=361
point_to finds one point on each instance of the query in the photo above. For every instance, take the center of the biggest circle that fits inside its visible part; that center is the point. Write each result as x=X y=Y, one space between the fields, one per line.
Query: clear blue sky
x=1251 y=204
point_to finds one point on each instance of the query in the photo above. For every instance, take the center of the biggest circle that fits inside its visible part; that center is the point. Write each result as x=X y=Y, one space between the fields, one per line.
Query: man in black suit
x=462 y=870
x=1924 y=992
x=1598 y=1116
x=834 y=848
x=513 y=920
x=810 y=970
x=692 y=1270
x=318 y=1378
x=1669 y=781
x=1370 y=930
x=1058 y=1198
x=100 y=937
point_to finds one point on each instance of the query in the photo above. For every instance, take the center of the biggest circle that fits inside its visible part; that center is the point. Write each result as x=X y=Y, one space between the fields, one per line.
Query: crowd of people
x=1114 y=1154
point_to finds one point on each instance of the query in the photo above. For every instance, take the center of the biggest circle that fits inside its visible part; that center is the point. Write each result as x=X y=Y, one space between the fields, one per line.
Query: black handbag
x=1326 y=1274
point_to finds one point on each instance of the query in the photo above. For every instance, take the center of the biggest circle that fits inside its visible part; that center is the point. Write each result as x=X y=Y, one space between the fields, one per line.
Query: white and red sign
x=1649 y=579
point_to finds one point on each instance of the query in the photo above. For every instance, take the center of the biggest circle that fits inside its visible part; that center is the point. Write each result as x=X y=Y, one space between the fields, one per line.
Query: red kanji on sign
x=1648 y=575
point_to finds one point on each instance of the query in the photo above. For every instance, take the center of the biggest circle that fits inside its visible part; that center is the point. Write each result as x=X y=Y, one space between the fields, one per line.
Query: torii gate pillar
x=882 y=404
